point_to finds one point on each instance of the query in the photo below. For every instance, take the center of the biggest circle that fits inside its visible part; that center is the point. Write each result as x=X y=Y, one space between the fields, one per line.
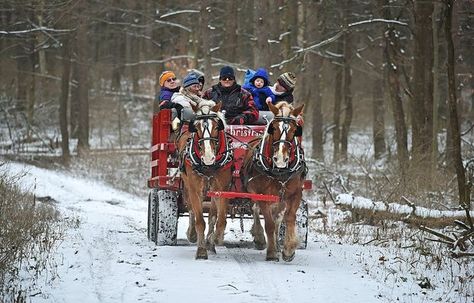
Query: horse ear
x=217 y=108
x=273 y=108
x=270 y=129
x=192 y=127
x=299 y=131
x=298 y=111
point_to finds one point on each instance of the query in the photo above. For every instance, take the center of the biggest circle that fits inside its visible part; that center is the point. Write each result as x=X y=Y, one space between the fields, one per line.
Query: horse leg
x=221 y=220
x=191 y=231
x=257 y=229
x=200 y=225
x=272 y=254
x=211 y=223
x=278 y=218
x=291 y=241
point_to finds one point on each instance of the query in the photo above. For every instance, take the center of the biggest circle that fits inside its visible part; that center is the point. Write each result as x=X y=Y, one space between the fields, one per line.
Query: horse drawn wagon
x=168 y=199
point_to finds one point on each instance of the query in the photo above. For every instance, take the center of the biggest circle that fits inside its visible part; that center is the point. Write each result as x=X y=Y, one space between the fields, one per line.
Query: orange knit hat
x=165 y=76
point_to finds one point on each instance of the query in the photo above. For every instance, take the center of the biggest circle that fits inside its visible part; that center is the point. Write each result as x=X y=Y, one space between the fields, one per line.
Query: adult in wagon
x=191 y=86
x=168 y=86
x=200 y=76
x=261 y=92
x=236 y=102
x=284 y=87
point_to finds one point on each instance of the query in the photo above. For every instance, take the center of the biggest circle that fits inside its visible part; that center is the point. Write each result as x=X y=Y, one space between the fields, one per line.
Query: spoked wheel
x=163 y=217
x=301 y=226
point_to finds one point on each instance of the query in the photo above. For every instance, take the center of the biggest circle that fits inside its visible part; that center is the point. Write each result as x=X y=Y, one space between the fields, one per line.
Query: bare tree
x=422 y=102
x=391 y=52
x=348 y=110
x=463 y=187
x=63 y=100
x=83 y=86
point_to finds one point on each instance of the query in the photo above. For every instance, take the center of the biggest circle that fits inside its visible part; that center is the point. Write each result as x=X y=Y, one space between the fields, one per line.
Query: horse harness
x=263 y=163
x=224 y=154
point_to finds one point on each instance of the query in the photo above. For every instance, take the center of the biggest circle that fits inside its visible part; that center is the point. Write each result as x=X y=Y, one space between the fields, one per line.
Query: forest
x=77 y=75
x=388 y=134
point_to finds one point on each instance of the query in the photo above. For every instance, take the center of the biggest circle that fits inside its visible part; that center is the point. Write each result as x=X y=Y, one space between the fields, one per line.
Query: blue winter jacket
x=260 y=94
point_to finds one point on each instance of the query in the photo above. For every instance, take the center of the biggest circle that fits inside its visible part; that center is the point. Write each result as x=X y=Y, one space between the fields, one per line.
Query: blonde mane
x=284 y=108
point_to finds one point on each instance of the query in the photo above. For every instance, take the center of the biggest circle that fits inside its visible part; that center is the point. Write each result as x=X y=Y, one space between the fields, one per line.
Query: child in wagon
x=261 y=92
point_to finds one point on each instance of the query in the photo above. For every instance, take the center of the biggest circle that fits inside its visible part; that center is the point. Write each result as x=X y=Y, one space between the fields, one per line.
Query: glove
x=237 y=120
x=175 y=124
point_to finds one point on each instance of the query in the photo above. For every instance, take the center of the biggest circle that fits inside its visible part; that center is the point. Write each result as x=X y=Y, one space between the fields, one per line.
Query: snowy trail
x=108 y=258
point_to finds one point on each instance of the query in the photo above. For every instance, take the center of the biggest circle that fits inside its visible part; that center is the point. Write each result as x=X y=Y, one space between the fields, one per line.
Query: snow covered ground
x=109 y=259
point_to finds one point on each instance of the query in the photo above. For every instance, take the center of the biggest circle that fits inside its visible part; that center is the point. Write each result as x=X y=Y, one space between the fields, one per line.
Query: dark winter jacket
x=286 y=96
x=260 y=94
x=164 y=98
x=236 y=101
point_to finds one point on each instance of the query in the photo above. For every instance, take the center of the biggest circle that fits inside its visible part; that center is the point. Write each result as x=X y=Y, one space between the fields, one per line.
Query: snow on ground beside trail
x=109 y=259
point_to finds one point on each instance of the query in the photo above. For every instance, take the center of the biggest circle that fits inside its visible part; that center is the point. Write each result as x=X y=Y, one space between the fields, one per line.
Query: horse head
x=282 y=132
x=208 y=127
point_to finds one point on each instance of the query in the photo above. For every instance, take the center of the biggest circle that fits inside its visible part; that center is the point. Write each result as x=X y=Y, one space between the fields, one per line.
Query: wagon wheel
x=163 y=217
x=301 y=226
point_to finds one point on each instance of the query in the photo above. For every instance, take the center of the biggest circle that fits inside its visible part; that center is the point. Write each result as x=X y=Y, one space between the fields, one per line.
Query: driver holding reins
x=237 y=103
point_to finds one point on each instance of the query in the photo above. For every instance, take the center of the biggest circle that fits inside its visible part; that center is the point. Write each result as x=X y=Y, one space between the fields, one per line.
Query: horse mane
x=284 y=108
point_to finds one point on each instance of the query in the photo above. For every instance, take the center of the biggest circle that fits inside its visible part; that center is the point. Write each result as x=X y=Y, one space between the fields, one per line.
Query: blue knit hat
x=190 y=79
x=227 y=71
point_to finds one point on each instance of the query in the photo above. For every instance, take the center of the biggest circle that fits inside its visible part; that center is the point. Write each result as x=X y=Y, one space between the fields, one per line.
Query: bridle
x=223 y=152
x=263 y=154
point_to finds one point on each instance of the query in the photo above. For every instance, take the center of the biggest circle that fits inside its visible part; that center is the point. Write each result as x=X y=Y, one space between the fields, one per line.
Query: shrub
x=29 y=233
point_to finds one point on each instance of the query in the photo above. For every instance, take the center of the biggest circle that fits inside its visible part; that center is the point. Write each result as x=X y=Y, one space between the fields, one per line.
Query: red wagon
x=165 y=201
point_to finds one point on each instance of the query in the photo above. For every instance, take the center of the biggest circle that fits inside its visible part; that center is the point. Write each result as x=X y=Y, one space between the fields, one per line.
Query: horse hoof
x=212 y=249
x=201 y=254
x=276 y=259
x=260 y=245
x=288 y=258
x=192 y=236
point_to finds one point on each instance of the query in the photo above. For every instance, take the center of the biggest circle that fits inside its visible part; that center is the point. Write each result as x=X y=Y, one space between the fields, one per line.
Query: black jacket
x=236 y=101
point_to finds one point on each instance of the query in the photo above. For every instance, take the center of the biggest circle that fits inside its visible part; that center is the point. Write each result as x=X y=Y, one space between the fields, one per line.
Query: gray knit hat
x=190 y=79
x=287 y=80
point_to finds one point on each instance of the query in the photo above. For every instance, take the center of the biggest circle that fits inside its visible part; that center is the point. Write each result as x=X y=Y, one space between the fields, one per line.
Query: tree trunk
x=63 y=123
x=393 y=83
x=422 y=102
x=312 y=69
x=231 y=27
x=348 y=110
x=289 y=29
x=436 y=94
x=463 y=187
x=337 y=107
x=206 y=10
x=378 y=118
x=83 y=89
x=261 y=52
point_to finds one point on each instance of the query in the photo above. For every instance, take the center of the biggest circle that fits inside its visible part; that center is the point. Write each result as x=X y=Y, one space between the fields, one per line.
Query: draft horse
x=274 y=165
x=206 y=164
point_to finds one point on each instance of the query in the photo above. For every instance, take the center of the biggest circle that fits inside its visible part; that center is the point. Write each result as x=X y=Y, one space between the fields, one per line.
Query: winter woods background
x=77 y=76
x=388 y=87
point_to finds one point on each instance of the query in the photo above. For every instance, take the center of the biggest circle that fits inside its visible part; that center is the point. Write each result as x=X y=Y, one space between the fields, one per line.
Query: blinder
x=270 y=129
x=192 y=128
x=299 y=131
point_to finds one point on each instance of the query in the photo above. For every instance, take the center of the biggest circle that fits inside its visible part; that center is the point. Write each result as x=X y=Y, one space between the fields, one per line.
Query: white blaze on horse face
x=208 y=156
x=281 y=157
